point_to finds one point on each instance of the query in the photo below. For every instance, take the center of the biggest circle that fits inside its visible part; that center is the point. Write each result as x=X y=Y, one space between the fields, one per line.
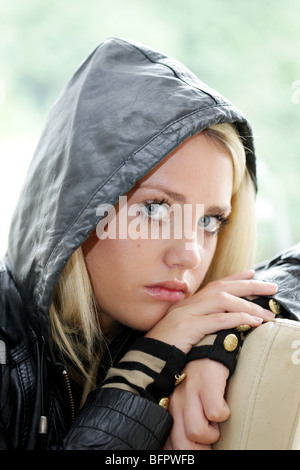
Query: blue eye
x=157 y=211
x=209 y=223
x=213 y=224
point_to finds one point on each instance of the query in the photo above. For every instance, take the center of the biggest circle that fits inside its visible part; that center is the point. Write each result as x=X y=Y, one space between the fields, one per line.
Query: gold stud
x=230 y=342
x=243 y=328
x=164 y=403
x=274 y=306
x=179 y=378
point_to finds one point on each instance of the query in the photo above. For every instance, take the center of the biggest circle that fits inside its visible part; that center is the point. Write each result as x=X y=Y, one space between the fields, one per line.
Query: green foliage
x=248 y=51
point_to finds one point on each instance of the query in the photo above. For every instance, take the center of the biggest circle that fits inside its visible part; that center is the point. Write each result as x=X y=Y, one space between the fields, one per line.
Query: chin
x=150 y=321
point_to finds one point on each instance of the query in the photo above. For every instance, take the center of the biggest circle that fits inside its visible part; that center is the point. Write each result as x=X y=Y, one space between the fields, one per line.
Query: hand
x=219 y=305
x=197 y=405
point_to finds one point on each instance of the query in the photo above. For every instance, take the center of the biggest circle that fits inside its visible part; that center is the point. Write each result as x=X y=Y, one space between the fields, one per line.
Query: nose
x=183 y=253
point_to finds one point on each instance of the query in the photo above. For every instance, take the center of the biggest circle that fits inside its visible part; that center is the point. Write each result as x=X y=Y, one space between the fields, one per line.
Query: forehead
x=199 y=168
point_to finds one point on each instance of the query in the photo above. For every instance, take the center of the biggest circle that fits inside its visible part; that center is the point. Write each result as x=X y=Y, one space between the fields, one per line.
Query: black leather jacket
x=122 y=112
x=34 y=385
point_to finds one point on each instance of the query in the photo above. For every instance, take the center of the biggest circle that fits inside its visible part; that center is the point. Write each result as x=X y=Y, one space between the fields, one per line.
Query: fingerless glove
x=148 y=368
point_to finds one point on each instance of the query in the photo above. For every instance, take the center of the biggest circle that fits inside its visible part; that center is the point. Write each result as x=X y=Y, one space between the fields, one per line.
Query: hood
x=125 y=109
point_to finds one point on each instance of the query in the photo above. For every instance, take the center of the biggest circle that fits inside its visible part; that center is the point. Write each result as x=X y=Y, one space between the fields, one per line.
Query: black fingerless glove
x=148 y=368
x=222 y=347
x=225 y=345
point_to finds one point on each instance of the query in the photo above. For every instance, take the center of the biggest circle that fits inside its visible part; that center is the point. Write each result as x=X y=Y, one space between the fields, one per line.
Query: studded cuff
x=223 y=347
x=149 y=368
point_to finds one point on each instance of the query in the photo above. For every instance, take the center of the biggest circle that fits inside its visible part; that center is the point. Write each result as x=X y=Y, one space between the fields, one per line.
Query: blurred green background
x=247 y=50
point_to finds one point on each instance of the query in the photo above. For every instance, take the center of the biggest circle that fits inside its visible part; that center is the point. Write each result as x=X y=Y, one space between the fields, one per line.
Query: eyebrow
x=172 y=194
x=180 y=198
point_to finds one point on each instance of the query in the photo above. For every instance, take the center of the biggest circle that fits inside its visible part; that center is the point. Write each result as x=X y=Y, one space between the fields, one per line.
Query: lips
x=168 y=291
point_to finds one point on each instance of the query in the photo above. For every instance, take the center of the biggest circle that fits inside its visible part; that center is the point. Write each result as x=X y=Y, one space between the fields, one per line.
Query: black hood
x=124 y=110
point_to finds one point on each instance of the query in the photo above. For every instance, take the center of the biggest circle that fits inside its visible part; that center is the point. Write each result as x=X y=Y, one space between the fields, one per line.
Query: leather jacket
x=34 y=385
x=39 y=401
x=122 y=112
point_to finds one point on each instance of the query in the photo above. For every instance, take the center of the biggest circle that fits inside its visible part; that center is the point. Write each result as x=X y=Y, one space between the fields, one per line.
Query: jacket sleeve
x=124 y=414
x=114 y=419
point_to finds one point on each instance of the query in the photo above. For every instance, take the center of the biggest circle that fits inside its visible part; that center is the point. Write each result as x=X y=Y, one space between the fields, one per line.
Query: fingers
x=196 y=405
x=221 y=304
x=191 y=334
x=185 y=329
x=198 y=427
x=227 y=296
x=191 y=430
x=225 y=321
x=237 y=287
x=244 y=287
x=214 y=377
x=225 y=302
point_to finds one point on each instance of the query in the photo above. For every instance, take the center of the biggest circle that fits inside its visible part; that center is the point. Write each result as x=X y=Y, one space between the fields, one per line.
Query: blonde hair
x=237 y=243
x=73 y=313
x=74 y=323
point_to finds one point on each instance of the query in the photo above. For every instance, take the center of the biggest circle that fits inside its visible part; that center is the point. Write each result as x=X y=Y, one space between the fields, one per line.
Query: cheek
x=209 y=251
x=117 y=263
x=206 y=256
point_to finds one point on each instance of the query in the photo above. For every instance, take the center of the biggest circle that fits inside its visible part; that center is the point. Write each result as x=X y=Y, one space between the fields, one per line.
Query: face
x=136 y=279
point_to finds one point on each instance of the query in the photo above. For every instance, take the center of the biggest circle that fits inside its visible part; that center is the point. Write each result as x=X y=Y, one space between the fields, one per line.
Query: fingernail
x=269 y=313
x=258 y=320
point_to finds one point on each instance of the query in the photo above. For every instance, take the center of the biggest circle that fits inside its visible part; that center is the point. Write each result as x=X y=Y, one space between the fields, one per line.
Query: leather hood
x=125 y=108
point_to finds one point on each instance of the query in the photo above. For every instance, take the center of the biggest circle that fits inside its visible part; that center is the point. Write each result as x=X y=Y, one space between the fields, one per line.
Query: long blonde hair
x=74 y=322
x=73 y=313
x=237 y=243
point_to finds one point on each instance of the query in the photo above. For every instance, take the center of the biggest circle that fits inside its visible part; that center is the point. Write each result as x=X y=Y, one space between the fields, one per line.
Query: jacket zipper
x=68 y=382
x=43 y=421
x=70 y=394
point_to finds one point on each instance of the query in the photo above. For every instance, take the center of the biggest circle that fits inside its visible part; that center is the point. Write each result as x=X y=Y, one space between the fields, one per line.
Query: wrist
x=223 y=347
x=148 y=368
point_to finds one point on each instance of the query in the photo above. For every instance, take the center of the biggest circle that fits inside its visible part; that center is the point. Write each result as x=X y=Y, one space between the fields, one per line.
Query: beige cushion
x=264 y=392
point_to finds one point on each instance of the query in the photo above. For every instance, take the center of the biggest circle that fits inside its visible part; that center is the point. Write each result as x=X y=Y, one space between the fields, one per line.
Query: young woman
x=120 y=282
